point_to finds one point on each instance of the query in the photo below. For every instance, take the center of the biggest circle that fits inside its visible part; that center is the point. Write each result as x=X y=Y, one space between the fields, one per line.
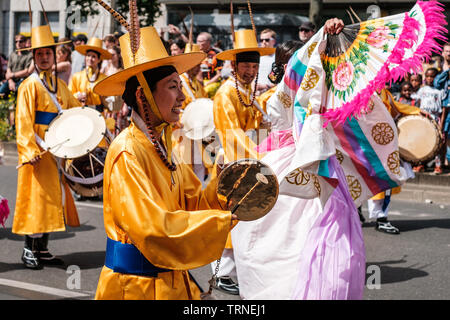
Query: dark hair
x=119 y=54
x=405 y=83
x=153 y=76
x=81 y=37
x=180 y=43
x=432 y=69
x=110 y=38
x=283 y=53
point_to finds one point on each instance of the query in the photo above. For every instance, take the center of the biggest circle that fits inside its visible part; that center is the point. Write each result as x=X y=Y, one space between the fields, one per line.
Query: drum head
x=418 y=138
x=251 y=181
x=198 y=119
x=83 y=128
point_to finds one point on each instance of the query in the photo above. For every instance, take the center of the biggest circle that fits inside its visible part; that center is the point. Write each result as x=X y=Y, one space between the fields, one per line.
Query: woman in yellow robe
x=82 y=83
x=44 y=202
x=158 y=220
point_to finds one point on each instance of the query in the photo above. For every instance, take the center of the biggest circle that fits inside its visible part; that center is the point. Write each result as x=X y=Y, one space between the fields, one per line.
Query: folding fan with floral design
x=365 y=56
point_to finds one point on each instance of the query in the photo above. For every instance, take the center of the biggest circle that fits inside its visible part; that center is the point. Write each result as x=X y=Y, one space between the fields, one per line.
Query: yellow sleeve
x=177 y=240
x=27 y=147
x=391 y=103
x=72 y=101
x=73 y=87
x=236 y=144
x=195 y=197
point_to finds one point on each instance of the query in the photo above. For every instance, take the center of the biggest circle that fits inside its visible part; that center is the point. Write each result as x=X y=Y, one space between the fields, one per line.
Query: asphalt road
x=412 y=265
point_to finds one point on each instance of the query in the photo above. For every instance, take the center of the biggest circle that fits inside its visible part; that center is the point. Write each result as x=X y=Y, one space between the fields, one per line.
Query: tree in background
x=148 y=10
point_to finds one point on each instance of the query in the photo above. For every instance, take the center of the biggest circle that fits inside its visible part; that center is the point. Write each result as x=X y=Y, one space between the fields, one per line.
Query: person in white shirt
x=267 y=39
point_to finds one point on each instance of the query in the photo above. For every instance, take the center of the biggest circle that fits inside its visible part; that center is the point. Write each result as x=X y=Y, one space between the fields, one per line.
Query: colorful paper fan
x=365 y=56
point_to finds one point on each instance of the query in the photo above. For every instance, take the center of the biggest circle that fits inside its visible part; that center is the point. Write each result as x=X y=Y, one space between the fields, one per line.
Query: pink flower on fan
x=379 y=37
x=343 y=76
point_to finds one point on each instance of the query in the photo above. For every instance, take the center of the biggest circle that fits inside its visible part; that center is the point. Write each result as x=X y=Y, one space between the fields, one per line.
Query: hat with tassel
x=41 y=36
x=244 y=40
x=141 y=50
x=94 y=44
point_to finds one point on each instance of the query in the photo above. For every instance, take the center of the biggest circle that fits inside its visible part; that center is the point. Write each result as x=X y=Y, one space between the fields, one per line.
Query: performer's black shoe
x=30 y=256
x=227 y=285
x=45 y=256
x=30 y=259
x=383 y=225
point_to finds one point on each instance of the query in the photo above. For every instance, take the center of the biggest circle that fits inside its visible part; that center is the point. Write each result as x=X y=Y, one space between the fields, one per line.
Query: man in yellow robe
x=241 y=124
x=44 y=202
x=158 y=220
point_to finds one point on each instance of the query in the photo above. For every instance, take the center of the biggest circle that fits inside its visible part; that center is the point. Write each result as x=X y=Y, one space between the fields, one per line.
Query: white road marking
x=419 y=215
x=42 y=289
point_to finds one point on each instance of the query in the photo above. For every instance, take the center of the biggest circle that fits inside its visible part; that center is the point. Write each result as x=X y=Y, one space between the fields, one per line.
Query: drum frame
x=81 y=184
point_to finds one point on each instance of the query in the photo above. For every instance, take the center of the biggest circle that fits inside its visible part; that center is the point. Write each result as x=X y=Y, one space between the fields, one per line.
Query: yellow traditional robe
x=80 y=83
x=175 y=225
x=395 y=108
x=232 y=120
x=39 y=207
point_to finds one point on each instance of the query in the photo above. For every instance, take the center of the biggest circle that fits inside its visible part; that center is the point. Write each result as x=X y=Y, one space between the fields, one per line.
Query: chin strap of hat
x=154 y=108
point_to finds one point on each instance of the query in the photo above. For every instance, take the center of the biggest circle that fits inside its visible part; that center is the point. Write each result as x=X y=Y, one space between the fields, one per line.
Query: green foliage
x=6 y=130
x=148 y=10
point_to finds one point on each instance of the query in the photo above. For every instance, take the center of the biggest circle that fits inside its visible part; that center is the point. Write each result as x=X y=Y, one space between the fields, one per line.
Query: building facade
x=65 y=21
x=283 y=16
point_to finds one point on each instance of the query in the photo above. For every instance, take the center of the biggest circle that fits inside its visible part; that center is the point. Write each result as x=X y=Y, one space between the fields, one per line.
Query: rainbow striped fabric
x=365 y=141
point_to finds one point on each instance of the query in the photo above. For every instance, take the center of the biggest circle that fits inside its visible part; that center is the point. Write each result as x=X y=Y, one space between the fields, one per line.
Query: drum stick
x=236 y=184
x=261 y=179
x=43 y=152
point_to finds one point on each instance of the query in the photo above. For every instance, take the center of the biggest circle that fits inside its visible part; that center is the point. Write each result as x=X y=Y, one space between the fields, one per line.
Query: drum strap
x=188 y=89
x=52 y=95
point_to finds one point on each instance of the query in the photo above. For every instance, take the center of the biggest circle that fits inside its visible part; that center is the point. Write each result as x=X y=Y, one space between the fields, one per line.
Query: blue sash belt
x=42 y=117
x=126 y=258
